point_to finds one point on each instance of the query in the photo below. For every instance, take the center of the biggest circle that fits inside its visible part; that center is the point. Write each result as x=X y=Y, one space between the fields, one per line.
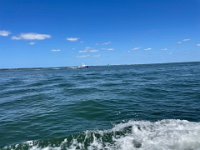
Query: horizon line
x=157 y=63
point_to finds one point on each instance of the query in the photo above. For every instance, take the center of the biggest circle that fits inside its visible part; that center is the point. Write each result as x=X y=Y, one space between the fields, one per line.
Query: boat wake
x=132 y=135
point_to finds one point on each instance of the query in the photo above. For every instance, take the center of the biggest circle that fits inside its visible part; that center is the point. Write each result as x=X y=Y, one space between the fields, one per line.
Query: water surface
x=111 y=107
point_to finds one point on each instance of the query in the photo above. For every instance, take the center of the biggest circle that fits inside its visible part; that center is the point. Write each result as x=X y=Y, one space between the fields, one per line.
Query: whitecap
x=135 y=135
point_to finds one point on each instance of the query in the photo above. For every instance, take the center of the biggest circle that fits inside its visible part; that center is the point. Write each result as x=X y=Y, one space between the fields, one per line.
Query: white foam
x=161 y=135
x=140 y=135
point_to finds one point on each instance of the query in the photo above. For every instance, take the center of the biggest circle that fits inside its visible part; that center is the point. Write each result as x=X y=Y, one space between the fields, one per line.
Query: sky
x=54 y=33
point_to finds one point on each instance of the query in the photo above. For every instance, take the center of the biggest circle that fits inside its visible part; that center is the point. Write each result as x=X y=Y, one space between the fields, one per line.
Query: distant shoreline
x=69 y=67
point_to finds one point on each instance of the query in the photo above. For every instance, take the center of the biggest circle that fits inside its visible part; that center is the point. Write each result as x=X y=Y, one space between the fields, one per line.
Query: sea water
x=144 y=107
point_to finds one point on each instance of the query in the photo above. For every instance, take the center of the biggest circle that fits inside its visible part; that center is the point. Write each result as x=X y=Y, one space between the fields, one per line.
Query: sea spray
x=132 y=135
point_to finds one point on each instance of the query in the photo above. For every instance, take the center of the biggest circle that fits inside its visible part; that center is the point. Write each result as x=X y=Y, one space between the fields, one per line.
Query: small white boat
x=83 y=66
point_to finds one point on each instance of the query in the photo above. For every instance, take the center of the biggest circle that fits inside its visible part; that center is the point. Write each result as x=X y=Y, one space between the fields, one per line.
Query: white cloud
x=4 y=33
x=55 y=50
x=148 y=49
x=198 y=44
x=104 y=43
x=88 y=50
x=89 y=56
x=73 y=39
x=108 y=49
x=164 y=49
x=136 y=48
x=31 y=36
x=83 y=56
x=31 y=43
x=185 y=40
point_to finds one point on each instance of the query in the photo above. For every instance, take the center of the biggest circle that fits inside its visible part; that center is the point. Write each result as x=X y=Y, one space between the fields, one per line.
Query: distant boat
x=83 y=66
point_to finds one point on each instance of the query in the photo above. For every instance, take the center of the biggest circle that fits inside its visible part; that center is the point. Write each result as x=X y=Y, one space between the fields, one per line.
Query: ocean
x=130 y=107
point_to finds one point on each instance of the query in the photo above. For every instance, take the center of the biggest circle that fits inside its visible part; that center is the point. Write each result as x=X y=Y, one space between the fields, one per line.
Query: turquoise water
x=112 y=107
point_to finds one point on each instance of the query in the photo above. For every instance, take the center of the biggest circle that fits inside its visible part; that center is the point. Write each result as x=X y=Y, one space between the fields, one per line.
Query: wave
x=132 y=135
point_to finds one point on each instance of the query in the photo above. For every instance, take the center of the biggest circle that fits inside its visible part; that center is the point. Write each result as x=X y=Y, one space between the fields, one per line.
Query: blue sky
x=44 y=33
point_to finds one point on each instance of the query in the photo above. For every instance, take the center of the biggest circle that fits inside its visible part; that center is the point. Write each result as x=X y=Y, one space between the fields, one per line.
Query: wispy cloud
x=164 y=49
x=148 y=49
x=55 y=50
x=73 y=39
x=185 y=40
x=31 y=43
x=198 y=44
x=88 y=50
x=89 y=56
x=83 y=56
x=136 y=48
x=4 y=33
x=104 y=43
x=31 y=36
x=108 y=49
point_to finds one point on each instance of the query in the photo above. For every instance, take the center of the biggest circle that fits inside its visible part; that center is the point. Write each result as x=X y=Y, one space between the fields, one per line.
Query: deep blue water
x=110 y=107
